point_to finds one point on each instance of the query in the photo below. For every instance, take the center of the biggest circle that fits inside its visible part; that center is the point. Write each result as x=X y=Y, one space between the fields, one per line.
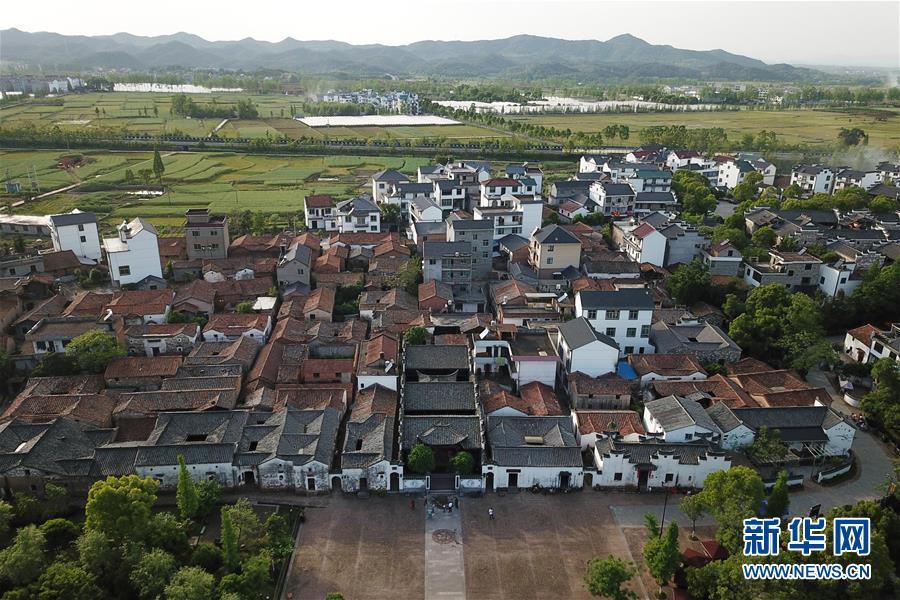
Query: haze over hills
x=522 y=56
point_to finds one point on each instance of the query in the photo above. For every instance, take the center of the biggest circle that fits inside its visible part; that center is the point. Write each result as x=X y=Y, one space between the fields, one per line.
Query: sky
x=801 y=32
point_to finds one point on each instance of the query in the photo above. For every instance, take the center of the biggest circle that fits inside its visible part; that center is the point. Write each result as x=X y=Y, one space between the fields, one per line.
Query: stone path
x=445 y=574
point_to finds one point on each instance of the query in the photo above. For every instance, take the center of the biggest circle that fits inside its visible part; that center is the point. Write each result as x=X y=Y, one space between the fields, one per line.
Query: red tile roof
x=864 y=333
x=319 y=201
x=672 y=365
x=624 y=422
x=142 y=366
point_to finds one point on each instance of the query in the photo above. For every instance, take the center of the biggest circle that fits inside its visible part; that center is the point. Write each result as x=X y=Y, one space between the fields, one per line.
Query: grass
x=220 y=181
x=814 y=127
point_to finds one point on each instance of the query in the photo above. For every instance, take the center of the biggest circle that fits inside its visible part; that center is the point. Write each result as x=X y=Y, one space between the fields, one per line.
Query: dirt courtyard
x=537 y=547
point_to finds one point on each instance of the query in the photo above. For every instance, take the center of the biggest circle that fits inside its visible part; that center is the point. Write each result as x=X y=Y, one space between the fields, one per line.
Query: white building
x=624 y=315
x=581 y=348
x=645 y=244
x=655 y=464
x=384 y=181
x=679 y=420
x=848 y=178
x=76 y=231
x=613 y=199
x=813 y=179
x=134 y=253
x=358 y=214
x=517 y=216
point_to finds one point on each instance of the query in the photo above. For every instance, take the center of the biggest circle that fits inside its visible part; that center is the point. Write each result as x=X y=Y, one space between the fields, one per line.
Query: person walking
x=491 y=513
x=450 y=505
x=412 y=504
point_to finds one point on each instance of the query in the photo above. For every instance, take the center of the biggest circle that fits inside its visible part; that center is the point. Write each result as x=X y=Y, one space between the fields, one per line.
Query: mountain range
x=522 y=56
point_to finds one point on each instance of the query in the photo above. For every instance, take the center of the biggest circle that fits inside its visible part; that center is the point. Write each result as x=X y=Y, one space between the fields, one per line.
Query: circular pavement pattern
x=444 y=536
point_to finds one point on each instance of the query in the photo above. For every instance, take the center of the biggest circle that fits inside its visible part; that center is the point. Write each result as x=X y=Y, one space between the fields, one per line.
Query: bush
x=59 y=533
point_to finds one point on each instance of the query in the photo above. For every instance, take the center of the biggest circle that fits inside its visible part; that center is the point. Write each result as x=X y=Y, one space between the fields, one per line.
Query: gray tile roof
x=443 y=430
x=795 y=423
x=73 y=218
x=646 y=450
x=440 y=357
x=438 y=249
x=455 y=397
x=554 y=234
x=674 y=413
x=472 y=224
x=578 y=332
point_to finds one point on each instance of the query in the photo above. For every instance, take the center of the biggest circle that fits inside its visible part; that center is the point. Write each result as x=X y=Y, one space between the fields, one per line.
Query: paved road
x=445 y=572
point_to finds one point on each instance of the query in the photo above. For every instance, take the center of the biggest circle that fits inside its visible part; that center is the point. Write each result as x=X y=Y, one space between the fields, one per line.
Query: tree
x=408 y=277
x=244 y=308
x=23 y=561
x=119 y=507
x=253 y=581
x=176 y=317
x=67 y=581
x=158 y=167
x=852 y=137
x=883 y=204
x=186 y=494
x=279 y=538
x=694 y=192
x=6 y=515
x=56 y=500
x=690 y=283
x=167 y=532
x=191 y=583
x=334 y=596
x=764 y=237
x=421 y=459
x=730 y=497
x=746 y=189
x=605 y=577
x=208 y=557
x=693 y=509
x=767 y=446
x=208 y=493
x=462 y=462
x=56 y=364
x=94 y=350
x=152 y=574
x=59 y=533
x=390 y=214
x=661 y=551
x=245 y=522
x=415 y=336
x=229 y=541
x=883 y=402
x=778 y=501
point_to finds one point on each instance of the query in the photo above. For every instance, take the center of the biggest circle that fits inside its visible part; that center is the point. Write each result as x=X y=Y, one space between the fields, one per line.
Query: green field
x=133 y=112
x=221 y=181
x=813 y=127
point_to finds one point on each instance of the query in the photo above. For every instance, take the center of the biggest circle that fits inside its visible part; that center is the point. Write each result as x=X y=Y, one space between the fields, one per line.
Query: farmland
x=221 y=181
x=274 y=185
x=813 y=127
x=149 y=113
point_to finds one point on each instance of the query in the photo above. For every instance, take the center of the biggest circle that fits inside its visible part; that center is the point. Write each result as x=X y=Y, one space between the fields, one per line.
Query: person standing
x=491 y=513
x=450 y=505
x=412 y=504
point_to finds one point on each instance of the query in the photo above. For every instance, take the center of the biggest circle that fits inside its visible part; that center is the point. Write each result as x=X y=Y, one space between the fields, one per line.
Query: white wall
x=621 y=325
x=840 y=439
x=594 y=359
x=543 y=371
x=388 y=381
x=530 y=476
x=142 y=257
x=646 y=379
x=69 y=237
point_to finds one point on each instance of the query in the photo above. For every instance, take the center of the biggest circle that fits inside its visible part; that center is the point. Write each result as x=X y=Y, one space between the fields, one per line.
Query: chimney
x=123 y=231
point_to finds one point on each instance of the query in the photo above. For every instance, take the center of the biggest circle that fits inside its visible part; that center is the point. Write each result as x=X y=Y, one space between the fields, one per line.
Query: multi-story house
x=684 y=243
x=320 y=213
x=813 y=179
x=888 y=171
x=384 y=181
x=133 y=254
x=553 y=249
x=520 y=217
x=613 y=199
x=526 y=171
x=449 y=194
x=644 y=244
x=647 y=202
x=581 y=348
x=207 y=234
x=449 y=262
x=649 y=180
x=848 y=178
x=295 y=266
x=358 y=214
x=624 y=315
x=796 y=271
x=732 y=173
x=76 y=231
x=501 y=191
x=479 y=234
x=722 y=259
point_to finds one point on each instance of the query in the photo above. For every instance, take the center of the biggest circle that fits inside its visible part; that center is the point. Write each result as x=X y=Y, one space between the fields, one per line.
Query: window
x=484 y=243
x=550 y=248
x=629 y=349
x=550 y=260
x=821 y=280
x=214 y=232
x=592 y=314
x=611 y=331
x=83 y=239
x=807 y=267
x=195 y=233
x=432 y=261
x=484 y=255
x=631 y=332
x=617 y=477
x=198 y=247
x=688 y=436
x=81 y=227
x=645 y=331
x=124 y=270
x=41 y=345
x=612 y=314
x=669 y=477
x=632 y=315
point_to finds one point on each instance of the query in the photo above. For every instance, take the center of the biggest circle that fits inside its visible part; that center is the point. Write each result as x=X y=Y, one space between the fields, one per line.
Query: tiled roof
x=514 y=442
x=864 y=333
x=623 y=422
x=236 y=323
x=671 y=365
x=449 y=397
x=609 y=384
x=142 y=366
x=673 y=412
x=436 y=357
x=443 y=430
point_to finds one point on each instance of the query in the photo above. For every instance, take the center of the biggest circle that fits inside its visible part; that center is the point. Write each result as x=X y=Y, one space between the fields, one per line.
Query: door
x=395 y=482
x=643 y=476
x=513 y=479
x=363 y=484
x=564 y=479
x=311 y=484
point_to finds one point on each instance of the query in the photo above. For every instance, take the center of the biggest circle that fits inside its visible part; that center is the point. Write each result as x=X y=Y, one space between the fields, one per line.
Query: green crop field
x=134 y=112
x=220 y=181
x=809 y=126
